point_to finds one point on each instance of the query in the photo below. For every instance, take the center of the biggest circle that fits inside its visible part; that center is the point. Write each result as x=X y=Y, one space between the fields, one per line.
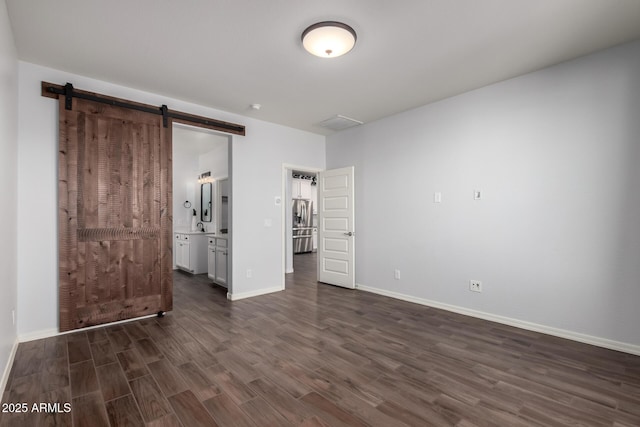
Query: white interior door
x=336 y=228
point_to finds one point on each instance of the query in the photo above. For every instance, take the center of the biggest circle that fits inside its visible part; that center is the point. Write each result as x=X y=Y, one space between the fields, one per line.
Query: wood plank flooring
x=317 y=355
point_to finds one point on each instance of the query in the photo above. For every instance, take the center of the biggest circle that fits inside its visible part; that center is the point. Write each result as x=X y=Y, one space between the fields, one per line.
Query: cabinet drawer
x=221 y=243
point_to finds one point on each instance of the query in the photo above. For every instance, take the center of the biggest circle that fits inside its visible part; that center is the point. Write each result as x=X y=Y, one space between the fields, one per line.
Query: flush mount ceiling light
x=328 y=39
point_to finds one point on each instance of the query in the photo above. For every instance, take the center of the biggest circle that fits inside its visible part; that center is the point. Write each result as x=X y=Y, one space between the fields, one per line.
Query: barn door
x=114 y=197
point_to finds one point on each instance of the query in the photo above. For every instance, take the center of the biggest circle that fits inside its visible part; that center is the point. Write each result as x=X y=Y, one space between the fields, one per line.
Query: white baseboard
x=47 y=333
x=38 y=335
x=7 y=368
x=250 y=294
x=562 y=333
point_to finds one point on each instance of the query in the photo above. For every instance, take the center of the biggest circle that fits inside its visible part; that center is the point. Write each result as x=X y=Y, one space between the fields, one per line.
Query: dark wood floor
x=317 y=355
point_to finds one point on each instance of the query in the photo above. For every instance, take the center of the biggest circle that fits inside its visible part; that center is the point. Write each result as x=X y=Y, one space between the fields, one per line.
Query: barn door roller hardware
x=68 y=96
x=51 y=90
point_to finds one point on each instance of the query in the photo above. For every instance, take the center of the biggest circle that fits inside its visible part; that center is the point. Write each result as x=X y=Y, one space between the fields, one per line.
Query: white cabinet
x=218 y=260
x=211 y=259
x=182 y=255
x=305 y=189
x=314 y=198
x=221 y=266
x=301 y=189
x=191 y=252
x=295 y=188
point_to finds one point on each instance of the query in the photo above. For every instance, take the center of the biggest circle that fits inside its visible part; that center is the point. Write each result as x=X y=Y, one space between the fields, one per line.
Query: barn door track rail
x=51 y=90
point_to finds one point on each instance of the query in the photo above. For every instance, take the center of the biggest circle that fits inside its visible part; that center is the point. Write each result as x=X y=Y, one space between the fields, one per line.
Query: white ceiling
x=228 y=54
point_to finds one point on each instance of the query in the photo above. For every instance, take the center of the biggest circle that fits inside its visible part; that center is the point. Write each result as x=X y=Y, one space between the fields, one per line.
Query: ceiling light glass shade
x=329 y=39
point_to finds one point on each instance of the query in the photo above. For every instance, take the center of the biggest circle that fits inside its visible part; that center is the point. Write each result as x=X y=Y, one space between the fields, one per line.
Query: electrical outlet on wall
x=396 y=274
x=475 y=285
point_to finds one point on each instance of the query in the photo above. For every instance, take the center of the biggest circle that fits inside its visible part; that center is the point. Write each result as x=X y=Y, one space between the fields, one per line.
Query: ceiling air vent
x=339 y=122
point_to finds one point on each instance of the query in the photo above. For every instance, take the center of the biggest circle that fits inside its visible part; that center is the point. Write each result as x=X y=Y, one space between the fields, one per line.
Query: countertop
x=180 y=231
x=200 y=233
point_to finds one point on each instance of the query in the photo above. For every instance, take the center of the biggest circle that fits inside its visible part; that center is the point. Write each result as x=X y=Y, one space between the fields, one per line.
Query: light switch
x=477 y=195
x=437 y=197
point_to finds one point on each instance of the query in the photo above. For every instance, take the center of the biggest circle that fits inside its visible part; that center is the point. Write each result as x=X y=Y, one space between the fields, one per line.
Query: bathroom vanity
x=190 y=248
x=218 y=255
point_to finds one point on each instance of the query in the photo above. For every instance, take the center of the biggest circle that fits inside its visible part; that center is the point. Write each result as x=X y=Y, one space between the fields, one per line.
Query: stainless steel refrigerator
x=302 y=226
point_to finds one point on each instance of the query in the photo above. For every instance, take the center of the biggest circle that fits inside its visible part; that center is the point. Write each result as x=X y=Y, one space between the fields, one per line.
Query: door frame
x=195 y=128
x=287 y=168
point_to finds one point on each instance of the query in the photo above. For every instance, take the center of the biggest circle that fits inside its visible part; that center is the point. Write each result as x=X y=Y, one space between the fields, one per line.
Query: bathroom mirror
x=206 y=206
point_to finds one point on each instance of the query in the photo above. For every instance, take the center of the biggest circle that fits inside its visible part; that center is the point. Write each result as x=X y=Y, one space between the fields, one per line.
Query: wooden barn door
x=114 y=192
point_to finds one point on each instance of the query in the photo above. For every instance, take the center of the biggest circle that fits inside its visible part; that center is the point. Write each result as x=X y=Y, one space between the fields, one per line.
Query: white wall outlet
x=475 y=285
x=437 y=197
x=249 y=273
x=396 y=274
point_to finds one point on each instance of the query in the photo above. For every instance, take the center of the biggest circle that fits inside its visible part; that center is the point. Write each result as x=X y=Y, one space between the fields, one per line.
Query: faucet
x=200 y=226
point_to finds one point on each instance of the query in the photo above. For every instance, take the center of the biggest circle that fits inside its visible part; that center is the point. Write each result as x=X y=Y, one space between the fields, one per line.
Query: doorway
x=300 y=219
x=202 y=203
x=333 y=222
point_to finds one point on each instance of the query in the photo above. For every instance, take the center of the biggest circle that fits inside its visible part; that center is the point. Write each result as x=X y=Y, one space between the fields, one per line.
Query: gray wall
x=555 y=239
x=8 y=189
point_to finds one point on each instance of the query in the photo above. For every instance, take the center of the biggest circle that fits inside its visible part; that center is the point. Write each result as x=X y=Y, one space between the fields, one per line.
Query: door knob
x=350 y=234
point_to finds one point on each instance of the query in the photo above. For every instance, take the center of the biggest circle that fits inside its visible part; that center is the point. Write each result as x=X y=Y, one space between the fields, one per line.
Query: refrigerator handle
x=304 y=214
